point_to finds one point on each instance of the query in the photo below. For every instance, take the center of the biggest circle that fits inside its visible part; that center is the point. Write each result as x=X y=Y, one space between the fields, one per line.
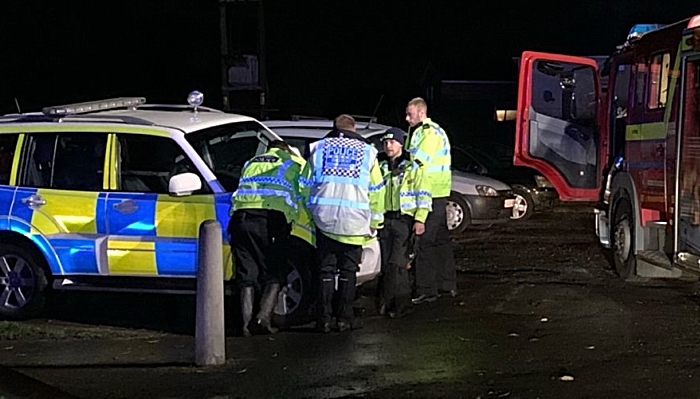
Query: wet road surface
x=539 y=315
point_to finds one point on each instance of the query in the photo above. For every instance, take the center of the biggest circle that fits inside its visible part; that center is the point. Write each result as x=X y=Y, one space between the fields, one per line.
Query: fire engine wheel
x=623 y=240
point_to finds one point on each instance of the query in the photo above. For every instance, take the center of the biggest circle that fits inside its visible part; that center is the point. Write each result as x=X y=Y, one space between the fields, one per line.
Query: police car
x=110 y=195
x=475 y=202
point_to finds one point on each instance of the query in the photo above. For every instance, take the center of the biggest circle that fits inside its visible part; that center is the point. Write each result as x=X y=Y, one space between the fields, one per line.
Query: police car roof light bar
x=93 y=106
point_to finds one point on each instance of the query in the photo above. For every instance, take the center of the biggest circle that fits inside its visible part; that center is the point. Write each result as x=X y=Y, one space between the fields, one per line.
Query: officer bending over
x=264 y=206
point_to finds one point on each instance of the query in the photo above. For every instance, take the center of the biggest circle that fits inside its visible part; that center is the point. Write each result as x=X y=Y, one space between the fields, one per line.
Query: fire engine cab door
x=556 y=131
x=688 y=203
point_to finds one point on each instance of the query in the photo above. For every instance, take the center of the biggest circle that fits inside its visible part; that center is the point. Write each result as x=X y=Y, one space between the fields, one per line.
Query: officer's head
x=393 y=141
x=416 y=111
x=279 y=144
x=344 y=122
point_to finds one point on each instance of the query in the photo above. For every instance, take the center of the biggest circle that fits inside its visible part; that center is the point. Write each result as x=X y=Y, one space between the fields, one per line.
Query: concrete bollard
x=210 y=335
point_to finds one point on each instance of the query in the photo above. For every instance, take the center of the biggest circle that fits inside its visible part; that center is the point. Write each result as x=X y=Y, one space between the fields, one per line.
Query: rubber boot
x=346 y=296
x=263 y=324
x=324 y=305
x=247 y=298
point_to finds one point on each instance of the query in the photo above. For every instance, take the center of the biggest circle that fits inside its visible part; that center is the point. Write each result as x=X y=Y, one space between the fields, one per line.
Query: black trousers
x=395 y=289
x=344 y=259
x=259 y=240
x=435 y=264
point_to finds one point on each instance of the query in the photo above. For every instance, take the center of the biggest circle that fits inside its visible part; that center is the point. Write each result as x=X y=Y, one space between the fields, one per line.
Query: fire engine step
x=655 y=264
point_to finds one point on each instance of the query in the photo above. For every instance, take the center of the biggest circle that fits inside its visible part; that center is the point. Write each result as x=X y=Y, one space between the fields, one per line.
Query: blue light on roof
x=639 y=29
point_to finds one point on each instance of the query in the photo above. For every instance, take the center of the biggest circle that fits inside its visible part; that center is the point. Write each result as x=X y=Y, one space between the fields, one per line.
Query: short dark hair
x=344 y=122
x=279 y=144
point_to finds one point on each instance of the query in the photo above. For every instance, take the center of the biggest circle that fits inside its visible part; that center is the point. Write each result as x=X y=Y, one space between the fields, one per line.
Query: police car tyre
x=457 y=213
x=22 y=282
x=295 y=298
x=524 y=205
x=623 y=240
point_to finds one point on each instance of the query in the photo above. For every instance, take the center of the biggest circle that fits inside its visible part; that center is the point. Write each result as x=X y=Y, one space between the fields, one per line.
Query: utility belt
x=397 y=215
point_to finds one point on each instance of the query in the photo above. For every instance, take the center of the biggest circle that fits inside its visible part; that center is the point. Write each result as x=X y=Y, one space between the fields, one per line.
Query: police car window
x=299 y=143
x=69 y=161
x=146 y=163
x=226 y=148
x=8 y=142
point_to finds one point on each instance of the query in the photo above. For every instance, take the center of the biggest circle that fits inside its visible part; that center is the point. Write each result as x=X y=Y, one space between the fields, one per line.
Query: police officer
x=343 y=187
x=429 y=145
x=264 y=206
x=406 y=203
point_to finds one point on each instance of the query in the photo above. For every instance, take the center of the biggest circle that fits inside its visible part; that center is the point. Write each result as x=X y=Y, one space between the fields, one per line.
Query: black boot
x=247 y=298
x=324 y=305
x=346 y=296
x=262 y=324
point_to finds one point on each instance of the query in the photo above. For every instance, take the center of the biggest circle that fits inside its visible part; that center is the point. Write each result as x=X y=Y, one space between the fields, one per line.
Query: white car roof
x=317 y=128
x=175 y=116
x=185 y=120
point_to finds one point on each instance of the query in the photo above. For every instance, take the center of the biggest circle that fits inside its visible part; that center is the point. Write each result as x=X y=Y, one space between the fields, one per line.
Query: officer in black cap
x=400 y=201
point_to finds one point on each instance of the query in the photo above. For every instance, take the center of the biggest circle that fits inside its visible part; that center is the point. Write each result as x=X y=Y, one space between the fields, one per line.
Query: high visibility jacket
x=304 y=226
x=343 y=187
x=269 y=181
x=405 y=187
x=430 y=145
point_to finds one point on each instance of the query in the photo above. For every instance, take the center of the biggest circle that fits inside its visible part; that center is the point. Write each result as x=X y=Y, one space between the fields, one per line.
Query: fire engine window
x=641 y=79
x=658 y=80
x=564 y=91
x=563 y=129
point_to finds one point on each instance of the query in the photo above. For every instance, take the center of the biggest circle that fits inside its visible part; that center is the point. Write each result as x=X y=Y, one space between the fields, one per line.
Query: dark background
x=323 y=57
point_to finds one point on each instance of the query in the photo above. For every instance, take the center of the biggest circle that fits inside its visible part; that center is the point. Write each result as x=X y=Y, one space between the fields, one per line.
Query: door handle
x=126 y=207
x=34 y=201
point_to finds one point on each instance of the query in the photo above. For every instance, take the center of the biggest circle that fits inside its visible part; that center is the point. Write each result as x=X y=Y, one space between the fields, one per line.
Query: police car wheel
x=457 y=213
x=22 y=282
x=294 y=299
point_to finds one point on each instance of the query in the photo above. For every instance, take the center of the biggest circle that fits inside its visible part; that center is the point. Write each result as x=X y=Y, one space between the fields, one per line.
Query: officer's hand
x=418 y=228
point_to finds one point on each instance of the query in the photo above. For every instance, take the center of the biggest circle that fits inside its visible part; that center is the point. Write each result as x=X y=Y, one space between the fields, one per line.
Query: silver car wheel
x=520 y=207
x=17 y=281
x=455 y=215
x=291 y=294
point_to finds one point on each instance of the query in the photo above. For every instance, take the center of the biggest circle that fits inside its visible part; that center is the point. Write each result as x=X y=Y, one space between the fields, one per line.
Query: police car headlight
x=487 y=191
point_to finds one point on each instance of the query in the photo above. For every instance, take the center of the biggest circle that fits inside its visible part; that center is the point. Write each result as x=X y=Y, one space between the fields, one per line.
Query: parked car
x=110 y=195
x=533 y=192
x=476 y=201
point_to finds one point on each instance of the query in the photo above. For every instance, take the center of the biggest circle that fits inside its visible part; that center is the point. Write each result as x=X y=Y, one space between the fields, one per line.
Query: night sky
x=323 y=58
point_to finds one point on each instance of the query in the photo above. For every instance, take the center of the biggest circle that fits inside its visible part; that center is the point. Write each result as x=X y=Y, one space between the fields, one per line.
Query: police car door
x=60 y=198
x=556 y=126
x=150 y=232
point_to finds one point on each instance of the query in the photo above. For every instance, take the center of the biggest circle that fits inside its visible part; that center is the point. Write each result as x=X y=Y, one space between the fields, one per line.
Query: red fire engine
x=626 y=136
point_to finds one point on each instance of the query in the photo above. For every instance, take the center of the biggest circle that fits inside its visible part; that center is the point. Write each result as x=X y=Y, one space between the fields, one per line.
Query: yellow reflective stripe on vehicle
x=15 y=160
x=132 y=257
x=646 y=131
x=46 y=128
x=66 y=212
x=181 y=216
x=109 y=179
x=674 y=74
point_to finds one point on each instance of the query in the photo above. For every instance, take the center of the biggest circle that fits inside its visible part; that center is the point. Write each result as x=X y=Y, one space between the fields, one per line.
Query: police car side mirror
x=184 y=184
